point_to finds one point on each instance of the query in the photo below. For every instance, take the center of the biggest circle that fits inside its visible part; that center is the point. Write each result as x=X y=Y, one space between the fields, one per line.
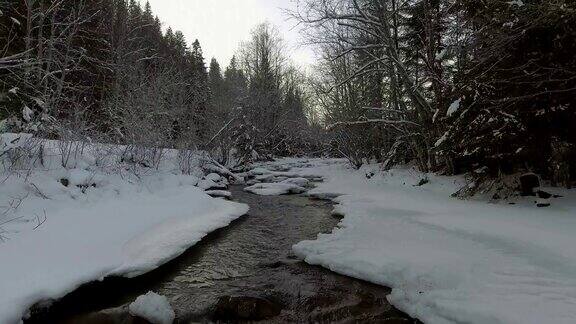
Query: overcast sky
x=220 y=25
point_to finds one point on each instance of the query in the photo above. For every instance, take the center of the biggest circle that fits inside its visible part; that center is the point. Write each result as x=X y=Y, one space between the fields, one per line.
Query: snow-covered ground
x=99 y=216
x=447 y=260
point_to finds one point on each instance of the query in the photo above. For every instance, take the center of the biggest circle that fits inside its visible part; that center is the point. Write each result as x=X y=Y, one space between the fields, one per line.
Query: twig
x=39 y=192
x=41 y=222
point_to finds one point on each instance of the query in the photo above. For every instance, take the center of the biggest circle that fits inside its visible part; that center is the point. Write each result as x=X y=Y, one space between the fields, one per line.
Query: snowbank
x=154 y=308
x=61 y=227
x=447 y=260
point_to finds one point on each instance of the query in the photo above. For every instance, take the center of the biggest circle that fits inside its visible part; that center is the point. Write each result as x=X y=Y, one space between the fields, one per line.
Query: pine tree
x=200 y=89
x=219 y=106
x=235 y=83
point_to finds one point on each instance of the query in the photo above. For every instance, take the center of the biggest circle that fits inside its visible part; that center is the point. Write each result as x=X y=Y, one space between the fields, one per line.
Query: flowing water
x=241 y=273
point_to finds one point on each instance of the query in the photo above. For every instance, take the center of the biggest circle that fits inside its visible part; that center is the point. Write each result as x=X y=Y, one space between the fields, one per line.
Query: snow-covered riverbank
x=447 y=260
x=65 y=226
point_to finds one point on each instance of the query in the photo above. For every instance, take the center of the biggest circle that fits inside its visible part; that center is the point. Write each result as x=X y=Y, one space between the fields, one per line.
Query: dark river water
x=233 y=269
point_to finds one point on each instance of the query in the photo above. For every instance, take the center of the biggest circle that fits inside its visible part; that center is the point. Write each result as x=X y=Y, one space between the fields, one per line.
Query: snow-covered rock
x=274 y=189
x=302 y=182
x=154 y=308
x=258 y=171
x=252 y=182
x=270 y=178
x=219 y=194
x=214 y=177
x=208 y=184
x=269 y=175
x=213 y=181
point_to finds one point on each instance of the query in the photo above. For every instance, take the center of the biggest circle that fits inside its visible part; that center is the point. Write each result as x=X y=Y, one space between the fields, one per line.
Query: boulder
x=245 y=309
x=529 y=182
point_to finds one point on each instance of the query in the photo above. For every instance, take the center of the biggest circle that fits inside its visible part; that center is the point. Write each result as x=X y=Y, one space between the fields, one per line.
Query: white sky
x=220 y=25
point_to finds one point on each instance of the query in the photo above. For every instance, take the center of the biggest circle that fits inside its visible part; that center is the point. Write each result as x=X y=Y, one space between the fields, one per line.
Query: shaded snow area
x=99 y=216
x=448 y=260
x=154 y=308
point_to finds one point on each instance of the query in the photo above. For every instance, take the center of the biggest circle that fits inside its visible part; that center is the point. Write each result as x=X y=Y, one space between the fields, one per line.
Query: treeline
x=261 y=103
x=100 y=66
x=486 y=87
x=105 y=70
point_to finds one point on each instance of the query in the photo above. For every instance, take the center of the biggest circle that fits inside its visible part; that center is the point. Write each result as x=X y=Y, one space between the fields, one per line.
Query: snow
x=266 y=181
x=442 y=54
x=518 y=3
x=63 y=227
x=207 y=184
x=213 y=181
x=219 y=193
x=154 y=308
x=454 y=107
x=259 y=171
x=448 y=260
x=269 y=178
x=214 y=177
x=442 y=139
x=274 y=189
x=12 y=141
x=301 y=182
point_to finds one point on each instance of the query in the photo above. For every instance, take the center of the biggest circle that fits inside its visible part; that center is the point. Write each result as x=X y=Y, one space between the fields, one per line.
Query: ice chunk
x=154 y=308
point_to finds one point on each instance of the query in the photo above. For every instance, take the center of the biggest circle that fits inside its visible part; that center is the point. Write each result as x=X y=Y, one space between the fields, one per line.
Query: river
x=243 y=272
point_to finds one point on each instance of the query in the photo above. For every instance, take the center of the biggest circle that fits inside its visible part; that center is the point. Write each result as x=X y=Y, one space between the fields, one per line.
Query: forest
x=480 y=87
x=105 y=70
x=483 y=87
